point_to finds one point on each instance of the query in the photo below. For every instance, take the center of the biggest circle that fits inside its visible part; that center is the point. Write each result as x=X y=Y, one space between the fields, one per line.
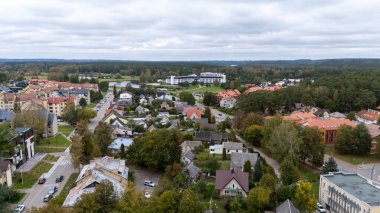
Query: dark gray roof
x=287 y=207
x=192 y=170
x=4 y=165
x=22 y=130
x=211 y=136
x=74 y=91
x=192 y=144
x=238 y=159
x=201 y=121
x=189 y=155
x=5 y=115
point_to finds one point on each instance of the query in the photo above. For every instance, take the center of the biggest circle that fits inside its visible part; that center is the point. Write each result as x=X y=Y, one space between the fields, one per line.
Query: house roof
x=329 y=124
x=27 y=96
x=9 y=96
x=4 y=165
x=190 y=111
x=189 y=155
x=233 y=146
x=5 y=115
x=56 y=100
x=299 y=116
x=258 y=88
x=337 y=115
x=367 y=115
x=287 y=207
x=238 y=159
x=192 y=144
x=224 y=177
x=116 y=144
x=192 y=170
x=231 y=93
x=373 y=129
x=210 y=136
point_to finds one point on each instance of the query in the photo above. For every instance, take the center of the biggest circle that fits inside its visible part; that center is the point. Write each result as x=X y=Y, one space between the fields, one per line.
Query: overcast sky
x=189 y=30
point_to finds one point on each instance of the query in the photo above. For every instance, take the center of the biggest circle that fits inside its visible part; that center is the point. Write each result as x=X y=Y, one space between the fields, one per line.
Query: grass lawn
x=225 y=165
x=51 y=158
x=31 y=177
x=124 y=78
x=311 y=176
x=49 y=149
x=200 y=89
x=69 y=184
x=22 y=195
x=351 y=158
x=57 y=140
x=65 y=129
x=92 y=105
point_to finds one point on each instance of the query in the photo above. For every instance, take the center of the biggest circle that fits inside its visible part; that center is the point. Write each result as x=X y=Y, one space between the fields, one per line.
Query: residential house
x=140 y=110
x=228 y=103
x=5 y=115
x=125 y=99
x=190 y=146
x=180 y=106
x=259 y=88
x=230 y=147
x=337 y=115
x=369 y=116
x=166 y=97
x=299 y=117
x=231 y=93
x=77 y=94
x=7 y=101
x=287 y=207
x=6 y=173
x=238 y=160
x=111 y=115
x=211 y=137
x=192 y=172
x=121 y=131
x=165 y=106
x=58 y=104
x=342 y=192
x=374 y=131
x=115 y=146
x=193 y=113
x=99 y=169
x=187 y=157
x=328 y=127
x=231 y=183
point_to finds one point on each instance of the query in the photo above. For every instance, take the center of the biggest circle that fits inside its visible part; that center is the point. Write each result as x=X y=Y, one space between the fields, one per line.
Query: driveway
x=141 y=174
x=220 y=116
x=101 y=113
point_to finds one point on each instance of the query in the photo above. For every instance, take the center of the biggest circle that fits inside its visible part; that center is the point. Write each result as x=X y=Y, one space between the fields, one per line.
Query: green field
x=124 y=78
x=200 y=89
x=31 y=177
x=57 y=140
x=312 y=176
x=65 y=129
x=49 y=149
x=375 y=158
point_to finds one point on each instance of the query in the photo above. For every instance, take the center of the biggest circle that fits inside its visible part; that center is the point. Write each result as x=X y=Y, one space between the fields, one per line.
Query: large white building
x=205 y=77
x=341 y=192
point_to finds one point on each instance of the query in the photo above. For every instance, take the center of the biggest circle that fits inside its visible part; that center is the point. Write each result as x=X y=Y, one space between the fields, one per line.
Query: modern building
x=99 y=169
x=24 y=140
x=341 y=192
x=328 y=127
x=205 y=78
x=56 y=105
x=125 y=99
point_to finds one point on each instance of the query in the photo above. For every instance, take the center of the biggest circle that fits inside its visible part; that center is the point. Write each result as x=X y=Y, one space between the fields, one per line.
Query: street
x=101 y=113
x=220 y=116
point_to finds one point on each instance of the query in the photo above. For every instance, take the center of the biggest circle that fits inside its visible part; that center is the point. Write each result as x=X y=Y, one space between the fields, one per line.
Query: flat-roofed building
x=341 y=192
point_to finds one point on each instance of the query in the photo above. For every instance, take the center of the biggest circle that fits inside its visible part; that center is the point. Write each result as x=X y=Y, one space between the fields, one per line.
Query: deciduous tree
x=187 y=97
x=190 y=202
x=103 y=137
x=254 y=135
x=258 y=199
x=304 y=196
x=289 y=172
x=285 y=142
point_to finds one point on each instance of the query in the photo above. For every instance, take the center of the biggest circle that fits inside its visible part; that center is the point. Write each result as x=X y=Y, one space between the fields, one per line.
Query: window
x=226 y=191
x=233 y=186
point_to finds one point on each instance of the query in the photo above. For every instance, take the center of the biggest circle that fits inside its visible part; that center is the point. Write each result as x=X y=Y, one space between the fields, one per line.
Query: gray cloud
x=189 y=30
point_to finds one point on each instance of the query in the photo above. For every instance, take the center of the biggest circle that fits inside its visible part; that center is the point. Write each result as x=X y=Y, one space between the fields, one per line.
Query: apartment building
x=56 y=105
x=7 y=101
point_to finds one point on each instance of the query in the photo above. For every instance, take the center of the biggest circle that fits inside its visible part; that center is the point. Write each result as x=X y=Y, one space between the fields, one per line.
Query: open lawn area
x=200 y=89
x=31 y=177
x=124 y=78
x=375 y=158
x=56 y=141
x=65 y=129
x=49 y=149
x=310 y=175
x=202 y=158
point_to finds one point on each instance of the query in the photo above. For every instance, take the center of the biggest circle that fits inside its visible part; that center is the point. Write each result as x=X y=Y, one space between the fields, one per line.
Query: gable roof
x=238 y=159
x=191 y=144
x=373 y=129
x=329 y=124
x=189 y=155
x=233 y=146
x=192 y=170
x=190 y=111
x=287 y=207
x=224 y=177
x=367 y=115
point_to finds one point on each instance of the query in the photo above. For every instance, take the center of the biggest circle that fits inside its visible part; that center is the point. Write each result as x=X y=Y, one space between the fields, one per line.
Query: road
x=220 y=116
x=101 y=113
x=34 y=196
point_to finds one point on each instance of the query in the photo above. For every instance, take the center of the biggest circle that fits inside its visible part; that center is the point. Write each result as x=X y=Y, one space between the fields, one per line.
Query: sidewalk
x=31 y=162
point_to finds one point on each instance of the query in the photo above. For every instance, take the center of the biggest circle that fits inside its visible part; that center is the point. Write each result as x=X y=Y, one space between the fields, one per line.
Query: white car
x=147 y=195
x=320 y=208
x=19 y=209
x=149 y=183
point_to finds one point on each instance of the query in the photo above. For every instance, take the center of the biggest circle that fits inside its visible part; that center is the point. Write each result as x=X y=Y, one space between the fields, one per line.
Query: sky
x=172 y=30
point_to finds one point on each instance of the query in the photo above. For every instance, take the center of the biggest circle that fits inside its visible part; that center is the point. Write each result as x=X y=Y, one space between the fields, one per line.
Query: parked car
x=147 y=195
x=52 y=190
x=19 y=209
x=59 y=179
x=149 y=183
x=320 y=208
x=41 y=180
x=48 y=197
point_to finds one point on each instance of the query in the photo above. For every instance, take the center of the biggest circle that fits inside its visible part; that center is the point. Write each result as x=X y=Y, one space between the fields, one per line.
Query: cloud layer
x=189 y=30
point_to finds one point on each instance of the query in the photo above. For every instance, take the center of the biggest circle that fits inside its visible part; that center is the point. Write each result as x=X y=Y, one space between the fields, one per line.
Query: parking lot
x=141 y=174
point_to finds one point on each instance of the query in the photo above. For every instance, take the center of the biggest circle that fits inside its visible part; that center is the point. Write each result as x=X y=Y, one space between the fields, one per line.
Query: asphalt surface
x=35 y=195
x=100 y=114
x=220 y=116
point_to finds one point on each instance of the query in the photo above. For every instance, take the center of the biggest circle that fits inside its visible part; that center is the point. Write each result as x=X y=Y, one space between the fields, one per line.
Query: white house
x=227 y=103
x=229 y=146
x=115 y=146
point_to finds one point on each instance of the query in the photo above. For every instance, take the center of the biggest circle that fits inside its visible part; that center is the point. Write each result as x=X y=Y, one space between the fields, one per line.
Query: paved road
x=34 y=196
x=220 y=116
x=100 y=115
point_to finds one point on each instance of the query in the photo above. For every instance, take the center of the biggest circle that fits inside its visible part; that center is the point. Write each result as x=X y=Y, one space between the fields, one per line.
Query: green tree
x=362 y=140
x=207 y=114
x=76 y=150
x=169 y=201
x=213 y=119
x=187 y=97
x=224 y=154
x=212 y=165
x=237 y=204
x=304 y=197
x=114 y=91
x=74 y=79
x=312 y=147
x=258 y=199
x=329 y=166
x=87 y=203
x=284 y=192
x=132 y=200
x=252 y=119
x=289 y=172
x=247 y=167
x=258 y=171
x=254 y=135
x=69 y=113
x=50 y=208
x=209 y=99
x=103 y=86
x=351 y=116
x=82 y=102
x=7 y=145
x=85 y=114
x=190 y=202
x=103 y=137
x=268 y=181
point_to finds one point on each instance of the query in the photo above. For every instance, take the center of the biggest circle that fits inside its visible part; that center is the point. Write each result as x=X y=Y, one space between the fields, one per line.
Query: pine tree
x=122 y=151
x=224 y=155
x=114 y=91
x=258 y=171
x=247 y=167
x=329 y=166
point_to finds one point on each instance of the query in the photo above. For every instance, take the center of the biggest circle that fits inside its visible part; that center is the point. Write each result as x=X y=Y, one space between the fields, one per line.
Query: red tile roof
x=8 y=96
x=329 y=124
x=27 y=96
x=224 y=177
x=299 y=117
x=56 y=100
x=231 y=93
x=370 y=116
x=191 y=110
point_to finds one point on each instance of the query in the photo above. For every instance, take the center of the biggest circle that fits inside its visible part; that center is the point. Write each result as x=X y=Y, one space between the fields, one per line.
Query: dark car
x=48 y=197
x=59 y=179
x=41 y=180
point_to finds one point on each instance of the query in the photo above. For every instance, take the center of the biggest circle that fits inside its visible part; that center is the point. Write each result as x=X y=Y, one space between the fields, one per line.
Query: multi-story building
x=7 y=101
x=206 y=78
x=340 y=192
x=328 y=127
x=77 y=94
x=24 y=140
x=56 y=105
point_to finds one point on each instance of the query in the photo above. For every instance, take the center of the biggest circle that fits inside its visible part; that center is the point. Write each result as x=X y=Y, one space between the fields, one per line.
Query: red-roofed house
x=299 y=117
x=7 y=101
x=56 y=105
x=328 y=127
x=227 y=99
x=368 y=116
x=374 y=131
x=193 y=113
x=231 y=183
